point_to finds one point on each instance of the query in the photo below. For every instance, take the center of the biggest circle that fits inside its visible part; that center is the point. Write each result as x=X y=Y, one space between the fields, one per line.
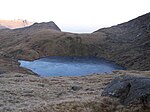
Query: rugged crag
x=45 y=26
x=129 y=89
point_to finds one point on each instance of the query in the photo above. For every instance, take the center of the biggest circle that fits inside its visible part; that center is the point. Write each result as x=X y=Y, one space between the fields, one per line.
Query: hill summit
x=45 y=25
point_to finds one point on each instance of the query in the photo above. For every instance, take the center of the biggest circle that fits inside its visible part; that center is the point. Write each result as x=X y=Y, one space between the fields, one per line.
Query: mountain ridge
x=134 y=39
x=43 y=25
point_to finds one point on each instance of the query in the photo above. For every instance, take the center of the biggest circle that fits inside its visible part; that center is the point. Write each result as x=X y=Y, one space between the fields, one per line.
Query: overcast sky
x=75 y=15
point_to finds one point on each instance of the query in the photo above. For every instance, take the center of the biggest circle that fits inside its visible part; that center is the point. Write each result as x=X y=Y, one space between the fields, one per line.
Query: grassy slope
x=28 y=93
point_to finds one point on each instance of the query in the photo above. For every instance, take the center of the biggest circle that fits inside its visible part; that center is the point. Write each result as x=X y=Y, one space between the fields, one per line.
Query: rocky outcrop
x=129 y=89
x=39 y=27
x=45 y=25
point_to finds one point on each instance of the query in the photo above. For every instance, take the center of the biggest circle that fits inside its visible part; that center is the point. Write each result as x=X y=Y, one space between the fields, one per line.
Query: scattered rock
x=41 y=85
x=89 y=89
x=2 y=71
x=76 y=88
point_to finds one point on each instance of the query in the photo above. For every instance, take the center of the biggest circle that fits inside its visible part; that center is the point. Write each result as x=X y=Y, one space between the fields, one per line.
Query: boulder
x=129 y=89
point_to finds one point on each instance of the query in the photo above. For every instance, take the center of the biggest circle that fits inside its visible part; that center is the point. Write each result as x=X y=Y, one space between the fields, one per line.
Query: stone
x=129 y=89
x=76 y=88
x=2 y=71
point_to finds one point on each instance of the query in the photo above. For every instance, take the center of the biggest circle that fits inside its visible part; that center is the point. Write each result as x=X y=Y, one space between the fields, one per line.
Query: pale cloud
x=75 y=15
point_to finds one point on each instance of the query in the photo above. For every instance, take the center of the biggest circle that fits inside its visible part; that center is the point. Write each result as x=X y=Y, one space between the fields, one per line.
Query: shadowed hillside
x=129 y=43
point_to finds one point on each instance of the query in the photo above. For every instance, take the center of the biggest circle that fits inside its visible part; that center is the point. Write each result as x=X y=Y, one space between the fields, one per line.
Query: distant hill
x=13 y=24
x=42 y=26
x=30 y=26
x=2 y=27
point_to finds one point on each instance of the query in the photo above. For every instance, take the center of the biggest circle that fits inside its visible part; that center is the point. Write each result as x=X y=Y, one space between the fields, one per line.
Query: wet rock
x=129 y=89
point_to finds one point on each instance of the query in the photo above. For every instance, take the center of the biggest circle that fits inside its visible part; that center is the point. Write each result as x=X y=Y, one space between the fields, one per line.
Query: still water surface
x=69 y=66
